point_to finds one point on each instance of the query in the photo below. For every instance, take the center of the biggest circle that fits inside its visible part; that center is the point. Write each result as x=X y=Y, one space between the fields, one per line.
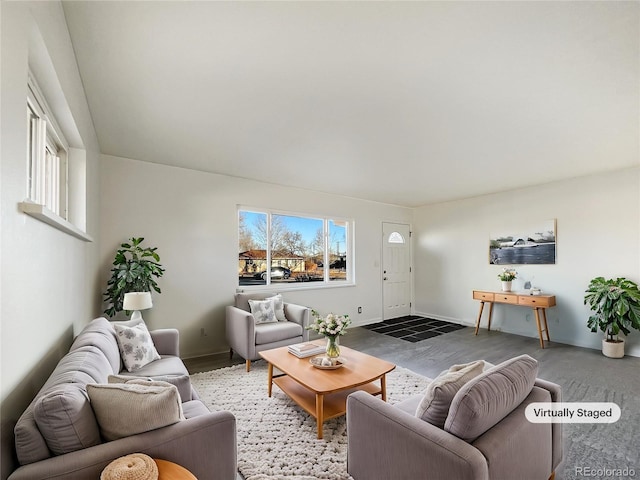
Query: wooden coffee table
x=323 y=393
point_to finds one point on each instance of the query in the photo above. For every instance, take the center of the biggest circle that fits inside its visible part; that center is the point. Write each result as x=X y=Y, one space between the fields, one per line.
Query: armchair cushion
x=262 y=311
x=125 y=409
x=278 y=307
x=434 y=406
x=276 y=332
x=491 y=396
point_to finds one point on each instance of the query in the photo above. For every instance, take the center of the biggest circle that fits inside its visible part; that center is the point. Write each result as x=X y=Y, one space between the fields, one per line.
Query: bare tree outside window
x=279 y=248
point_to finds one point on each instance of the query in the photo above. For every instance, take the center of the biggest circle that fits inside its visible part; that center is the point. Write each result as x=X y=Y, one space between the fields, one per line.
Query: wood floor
x=429 y=357
x=585 y=375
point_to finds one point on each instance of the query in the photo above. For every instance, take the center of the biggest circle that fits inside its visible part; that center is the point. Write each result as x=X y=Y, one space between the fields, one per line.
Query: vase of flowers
x=331 y=326
x=507 y=276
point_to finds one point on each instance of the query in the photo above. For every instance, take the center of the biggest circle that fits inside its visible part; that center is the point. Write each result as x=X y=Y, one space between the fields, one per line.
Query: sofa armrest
x=240 y=332
x=557 y=451
x=386 y=442
x=300 y=315
x=205 y=445
x=166 y=341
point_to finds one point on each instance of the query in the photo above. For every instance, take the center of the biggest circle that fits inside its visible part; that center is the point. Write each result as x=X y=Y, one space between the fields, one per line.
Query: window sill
x=42 y=213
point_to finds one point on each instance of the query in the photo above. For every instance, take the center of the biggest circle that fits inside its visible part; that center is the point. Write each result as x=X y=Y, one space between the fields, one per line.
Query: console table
x=539 y=304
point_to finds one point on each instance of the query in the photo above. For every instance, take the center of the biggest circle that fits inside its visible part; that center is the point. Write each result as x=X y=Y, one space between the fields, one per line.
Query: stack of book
x=303 y=350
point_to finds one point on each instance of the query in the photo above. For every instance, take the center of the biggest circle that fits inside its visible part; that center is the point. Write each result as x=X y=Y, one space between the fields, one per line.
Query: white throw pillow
x=434 y=406
x=136 y=346
x=263 y=311
x=278 y=307
x=125 y=409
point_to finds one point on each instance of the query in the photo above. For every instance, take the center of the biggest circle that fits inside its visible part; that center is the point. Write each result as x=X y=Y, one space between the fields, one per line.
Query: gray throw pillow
x=182 y=382
x=65 y=419
x=125 y=409
x=434 y=406
x=491 y=396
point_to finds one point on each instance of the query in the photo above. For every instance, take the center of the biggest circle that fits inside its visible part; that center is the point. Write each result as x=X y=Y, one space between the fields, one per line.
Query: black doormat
x=413 y=328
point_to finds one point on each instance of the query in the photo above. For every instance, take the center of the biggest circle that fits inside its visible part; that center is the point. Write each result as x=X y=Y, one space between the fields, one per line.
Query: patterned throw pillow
x=278 y=306
x=136 y=346
x=434 y=406
x=262 y=311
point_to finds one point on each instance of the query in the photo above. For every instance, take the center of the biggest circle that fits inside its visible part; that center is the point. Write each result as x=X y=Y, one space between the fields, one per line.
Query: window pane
x=396 y=237
x=252 y=243
x=337 y=250
x=294 y=248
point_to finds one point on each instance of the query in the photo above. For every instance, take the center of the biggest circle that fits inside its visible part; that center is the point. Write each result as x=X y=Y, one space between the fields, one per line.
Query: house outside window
x=293 y=249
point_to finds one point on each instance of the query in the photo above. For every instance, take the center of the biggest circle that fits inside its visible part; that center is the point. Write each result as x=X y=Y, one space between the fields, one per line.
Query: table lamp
x=137 y=301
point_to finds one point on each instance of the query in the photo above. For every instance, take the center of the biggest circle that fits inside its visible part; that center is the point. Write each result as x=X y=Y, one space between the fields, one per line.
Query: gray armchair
x=388 y=441
x=248 y=339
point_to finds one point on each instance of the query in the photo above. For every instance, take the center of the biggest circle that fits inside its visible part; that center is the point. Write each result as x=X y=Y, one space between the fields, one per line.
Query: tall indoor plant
x=135 y=269
x=616 y=307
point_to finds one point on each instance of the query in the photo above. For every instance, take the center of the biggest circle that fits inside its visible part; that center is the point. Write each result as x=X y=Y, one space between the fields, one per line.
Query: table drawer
x=537 y=301
x=485 y=296
x=505 y=298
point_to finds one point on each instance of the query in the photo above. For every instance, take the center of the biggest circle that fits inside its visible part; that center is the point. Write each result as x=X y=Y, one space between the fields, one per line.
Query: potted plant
x=507 y=276
x=616 y=307
x=135 y=269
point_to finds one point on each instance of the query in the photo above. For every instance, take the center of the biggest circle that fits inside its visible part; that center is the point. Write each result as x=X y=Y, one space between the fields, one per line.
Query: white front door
x=396 y=270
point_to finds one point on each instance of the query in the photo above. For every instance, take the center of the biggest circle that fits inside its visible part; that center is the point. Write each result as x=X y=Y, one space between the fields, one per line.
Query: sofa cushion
x=124 y=409
x=182 y=382
x=262 y=311
x=275 y=332
x=194 y=408
x=491 y=396
x=278 y=307
x=86 y=364
x=434 y=406
x=66 y=420
x=167 y=365
x=101 y=334
x=136 y=345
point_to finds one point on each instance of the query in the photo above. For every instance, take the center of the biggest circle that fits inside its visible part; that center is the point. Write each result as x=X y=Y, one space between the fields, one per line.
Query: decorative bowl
x=325 y=363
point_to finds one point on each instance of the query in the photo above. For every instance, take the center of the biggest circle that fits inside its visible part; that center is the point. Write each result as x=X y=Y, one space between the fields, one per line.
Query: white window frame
x=326 y=282
x=47 y=164
x=47 y=152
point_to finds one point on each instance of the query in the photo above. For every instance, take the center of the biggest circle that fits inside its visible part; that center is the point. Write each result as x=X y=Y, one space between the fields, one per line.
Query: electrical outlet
x=359 y=309
x=203 y=333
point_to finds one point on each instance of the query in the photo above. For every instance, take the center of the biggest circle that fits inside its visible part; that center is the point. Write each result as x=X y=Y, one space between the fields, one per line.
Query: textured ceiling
x=407 y=103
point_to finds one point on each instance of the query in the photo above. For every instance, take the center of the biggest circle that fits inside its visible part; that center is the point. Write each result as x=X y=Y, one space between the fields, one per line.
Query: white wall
x=598 y=234
x=191 y=217
x=48 y=281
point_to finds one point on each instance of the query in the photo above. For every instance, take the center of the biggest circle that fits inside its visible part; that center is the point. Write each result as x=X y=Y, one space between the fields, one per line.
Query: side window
x=56 y=171
x=47 y=155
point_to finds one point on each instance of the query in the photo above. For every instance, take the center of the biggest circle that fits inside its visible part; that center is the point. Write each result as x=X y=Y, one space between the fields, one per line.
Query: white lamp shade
x=137 y=301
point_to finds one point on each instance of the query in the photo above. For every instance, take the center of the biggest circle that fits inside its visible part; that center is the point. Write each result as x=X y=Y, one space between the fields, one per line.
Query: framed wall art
x=532 y=245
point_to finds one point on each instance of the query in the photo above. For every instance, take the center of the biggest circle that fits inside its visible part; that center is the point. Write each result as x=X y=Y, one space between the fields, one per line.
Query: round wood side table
x=172 y=471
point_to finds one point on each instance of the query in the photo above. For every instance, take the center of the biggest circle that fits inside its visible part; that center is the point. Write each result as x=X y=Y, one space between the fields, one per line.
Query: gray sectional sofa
x=58 y=437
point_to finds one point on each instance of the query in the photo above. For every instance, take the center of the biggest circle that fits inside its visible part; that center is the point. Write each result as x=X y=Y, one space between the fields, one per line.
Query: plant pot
x=613 y=349
x=506 y=286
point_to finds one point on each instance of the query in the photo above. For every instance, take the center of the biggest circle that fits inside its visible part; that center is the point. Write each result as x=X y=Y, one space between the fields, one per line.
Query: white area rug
x=276 y=438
